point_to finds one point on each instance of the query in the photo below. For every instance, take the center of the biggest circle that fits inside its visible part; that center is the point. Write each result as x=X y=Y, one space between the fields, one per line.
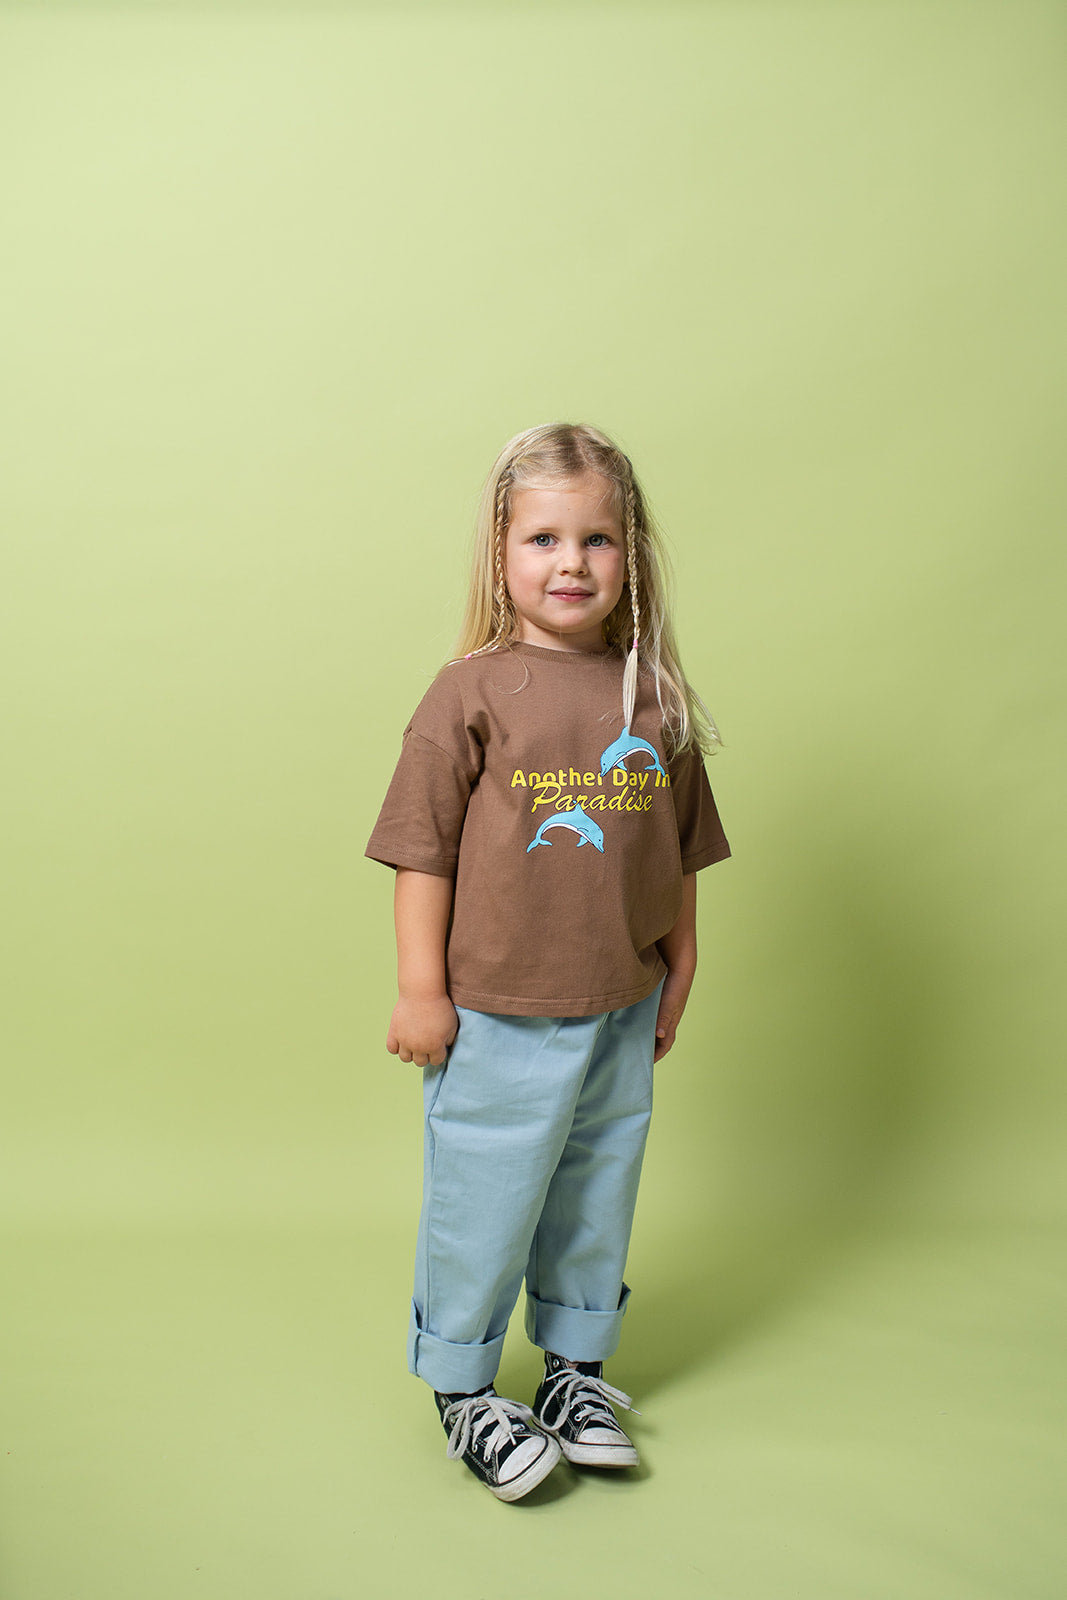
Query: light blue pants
x=535 y=1131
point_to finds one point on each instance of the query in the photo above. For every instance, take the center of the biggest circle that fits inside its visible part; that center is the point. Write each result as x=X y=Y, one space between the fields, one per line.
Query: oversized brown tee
x=567 y=834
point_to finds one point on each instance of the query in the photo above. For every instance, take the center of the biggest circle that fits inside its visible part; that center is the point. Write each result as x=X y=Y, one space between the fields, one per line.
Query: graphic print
x=578 y=822
x=632 y=791
x=626 y=745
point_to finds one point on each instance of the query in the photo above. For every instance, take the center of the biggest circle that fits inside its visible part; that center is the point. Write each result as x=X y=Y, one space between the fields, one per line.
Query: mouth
x=571 y=594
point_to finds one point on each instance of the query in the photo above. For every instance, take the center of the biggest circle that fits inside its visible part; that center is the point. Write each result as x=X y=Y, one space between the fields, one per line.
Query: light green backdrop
x=279 y=283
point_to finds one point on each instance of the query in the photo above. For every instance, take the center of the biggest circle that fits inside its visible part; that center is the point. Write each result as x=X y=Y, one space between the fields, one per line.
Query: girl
x=546 y=820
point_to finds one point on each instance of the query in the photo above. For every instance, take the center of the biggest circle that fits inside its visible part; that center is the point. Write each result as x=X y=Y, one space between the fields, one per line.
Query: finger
x=405 y=1055
x=664 y=1045
x=392 y=1043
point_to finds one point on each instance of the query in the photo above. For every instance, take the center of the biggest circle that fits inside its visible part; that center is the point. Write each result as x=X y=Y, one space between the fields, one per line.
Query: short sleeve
x=701 y=839
x=422 y=815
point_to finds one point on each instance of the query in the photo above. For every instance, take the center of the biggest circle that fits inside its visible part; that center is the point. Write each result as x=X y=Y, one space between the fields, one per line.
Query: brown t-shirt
x=567 y=834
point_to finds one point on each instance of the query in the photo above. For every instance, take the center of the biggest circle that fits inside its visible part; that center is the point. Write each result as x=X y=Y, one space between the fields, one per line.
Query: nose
x=571 y=559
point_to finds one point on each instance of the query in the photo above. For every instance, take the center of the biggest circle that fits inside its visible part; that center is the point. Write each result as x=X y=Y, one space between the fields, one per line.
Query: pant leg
x=497 y=1118
x=575 y=1293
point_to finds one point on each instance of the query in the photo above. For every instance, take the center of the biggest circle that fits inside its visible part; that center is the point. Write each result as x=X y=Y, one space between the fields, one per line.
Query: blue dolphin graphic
x=578 y=822
x=615 y=754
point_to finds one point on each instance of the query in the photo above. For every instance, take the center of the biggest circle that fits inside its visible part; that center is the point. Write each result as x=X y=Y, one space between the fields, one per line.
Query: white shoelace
x=461 y=1415
x=572 y=1387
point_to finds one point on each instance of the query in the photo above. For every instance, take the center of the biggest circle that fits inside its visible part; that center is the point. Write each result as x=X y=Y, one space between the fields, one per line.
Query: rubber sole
x=592 y=1455
x=534 y=1474
x=599 y=1455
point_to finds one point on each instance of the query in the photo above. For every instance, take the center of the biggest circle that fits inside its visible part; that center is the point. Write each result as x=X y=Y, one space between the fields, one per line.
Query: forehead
x=585 y=501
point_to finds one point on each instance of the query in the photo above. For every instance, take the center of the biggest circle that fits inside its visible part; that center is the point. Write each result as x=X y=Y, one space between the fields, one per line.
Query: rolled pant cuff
x=576 y=1335
x=451 y=1368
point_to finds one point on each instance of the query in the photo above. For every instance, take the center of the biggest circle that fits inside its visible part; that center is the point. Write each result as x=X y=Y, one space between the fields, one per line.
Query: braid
x=631 y=562
x=498 y=553
x=500 y=587
x=629 y=676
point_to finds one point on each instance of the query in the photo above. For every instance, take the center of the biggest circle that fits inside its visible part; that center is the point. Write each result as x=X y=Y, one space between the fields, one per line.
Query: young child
x=546 y=820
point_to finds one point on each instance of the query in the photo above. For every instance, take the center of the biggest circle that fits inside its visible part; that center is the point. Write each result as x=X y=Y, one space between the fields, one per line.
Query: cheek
x=618 y=571
x=517 y=571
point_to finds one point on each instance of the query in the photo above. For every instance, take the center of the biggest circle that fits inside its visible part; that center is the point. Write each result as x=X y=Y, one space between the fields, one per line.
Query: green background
x=279 y=282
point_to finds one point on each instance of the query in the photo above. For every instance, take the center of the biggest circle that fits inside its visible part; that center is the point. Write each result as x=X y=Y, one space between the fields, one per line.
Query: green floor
x=228 y=1414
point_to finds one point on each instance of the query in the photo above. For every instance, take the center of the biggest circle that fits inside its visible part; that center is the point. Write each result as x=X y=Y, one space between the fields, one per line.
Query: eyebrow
x=605 y=529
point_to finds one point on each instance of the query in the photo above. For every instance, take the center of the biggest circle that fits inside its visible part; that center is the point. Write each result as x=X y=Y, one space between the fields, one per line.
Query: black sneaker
x=492 y=1436
x=572 y=1404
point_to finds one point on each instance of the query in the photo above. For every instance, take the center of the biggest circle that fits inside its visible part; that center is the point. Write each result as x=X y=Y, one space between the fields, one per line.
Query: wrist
x=422 y=993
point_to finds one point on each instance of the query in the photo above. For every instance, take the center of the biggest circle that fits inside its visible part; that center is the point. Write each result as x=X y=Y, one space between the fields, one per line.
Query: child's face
x=565 y=562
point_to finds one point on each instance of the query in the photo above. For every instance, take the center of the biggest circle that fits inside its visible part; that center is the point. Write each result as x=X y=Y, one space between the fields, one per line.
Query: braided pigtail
x=501 y=600
x=629 y=676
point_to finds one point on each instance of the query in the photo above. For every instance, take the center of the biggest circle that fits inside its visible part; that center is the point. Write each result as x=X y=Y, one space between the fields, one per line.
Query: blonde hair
x=640 y=623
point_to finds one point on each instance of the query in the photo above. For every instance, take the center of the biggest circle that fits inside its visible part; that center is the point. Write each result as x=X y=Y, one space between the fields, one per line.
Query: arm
x=424 y=1020
x=679 y=950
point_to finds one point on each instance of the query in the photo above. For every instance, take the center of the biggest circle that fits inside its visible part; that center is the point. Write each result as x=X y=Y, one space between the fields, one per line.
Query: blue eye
x=602 y=537
x=539 y=536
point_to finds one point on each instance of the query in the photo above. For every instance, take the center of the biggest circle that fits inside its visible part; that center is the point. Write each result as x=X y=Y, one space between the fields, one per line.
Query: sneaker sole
x=594 y=1455
x=534 y=1474
x=600 y=1455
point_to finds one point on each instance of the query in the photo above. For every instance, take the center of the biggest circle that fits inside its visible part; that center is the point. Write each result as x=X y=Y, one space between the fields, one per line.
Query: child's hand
x=676 y=987
x=421 y=1030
